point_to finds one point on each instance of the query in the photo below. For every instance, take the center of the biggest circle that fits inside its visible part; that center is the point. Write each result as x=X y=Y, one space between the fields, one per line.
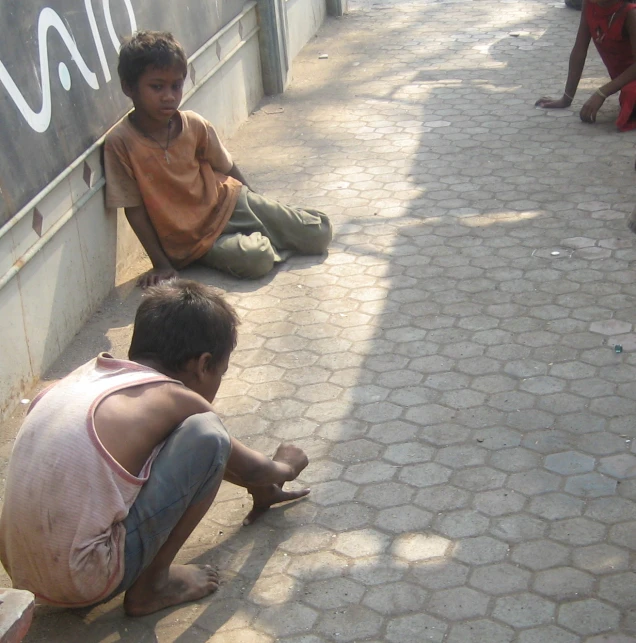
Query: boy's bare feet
x=181 y=584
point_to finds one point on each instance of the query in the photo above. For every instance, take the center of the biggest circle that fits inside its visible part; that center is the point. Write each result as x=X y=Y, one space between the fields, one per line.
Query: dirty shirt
x=61 y=532
x=187 y=195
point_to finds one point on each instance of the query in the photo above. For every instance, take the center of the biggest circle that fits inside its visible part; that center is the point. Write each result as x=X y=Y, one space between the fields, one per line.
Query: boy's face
x=157 y=95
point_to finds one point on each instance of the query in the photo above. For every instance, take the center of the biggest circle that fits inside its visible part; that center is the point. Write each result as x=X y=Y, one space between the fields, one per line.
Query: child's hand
x=292 y=456
x=589 y=110
x=156 y=276
x=550 y=103
x=265 y=497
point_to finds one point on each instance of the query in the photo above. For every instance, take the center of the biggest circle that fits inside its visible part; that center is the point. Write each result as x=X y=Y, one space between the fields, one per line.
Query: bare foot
x=183 y=583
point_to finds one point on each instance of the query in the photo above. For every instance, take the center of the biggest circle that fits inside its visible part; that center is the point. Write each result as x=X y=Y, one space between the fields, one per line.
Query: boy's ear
x=127 y=89
x=204 y=363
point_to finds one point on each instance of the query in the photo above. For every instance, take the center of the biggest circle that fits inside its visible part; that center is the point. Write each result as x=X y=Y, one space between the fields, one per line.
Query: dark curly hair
x=149 y=49
x=179 y=320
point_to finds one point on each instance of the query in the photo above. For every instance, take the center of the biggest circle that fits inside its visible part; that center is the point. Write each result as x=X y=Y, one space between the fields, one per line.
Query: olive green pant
x=262 y=232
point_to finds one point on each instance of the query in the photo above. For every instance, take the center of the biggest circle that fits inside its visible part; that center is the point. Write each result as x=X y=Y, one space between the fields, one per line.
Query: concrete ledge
x=16 y=614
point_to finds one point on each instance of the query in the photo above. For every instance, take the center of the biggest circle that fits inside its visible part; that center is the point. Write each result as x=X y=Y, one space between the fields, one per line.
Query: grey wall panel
x=59 y=90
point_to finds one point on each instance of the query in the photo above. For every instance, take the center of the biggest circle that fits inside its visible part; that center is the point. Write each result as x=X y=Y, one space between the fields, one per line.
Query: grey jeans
x=189 y=466
x=262 y=232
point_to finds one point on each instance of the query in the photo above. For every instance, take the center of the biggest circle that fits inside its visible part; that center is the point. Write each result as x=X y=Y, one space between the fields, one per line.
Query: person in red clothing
x=611 y=24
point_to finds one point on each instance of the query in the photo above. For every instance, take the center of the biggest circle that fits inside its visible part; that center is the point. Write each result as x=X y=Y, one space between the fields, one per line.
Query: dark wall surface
x=59 y=90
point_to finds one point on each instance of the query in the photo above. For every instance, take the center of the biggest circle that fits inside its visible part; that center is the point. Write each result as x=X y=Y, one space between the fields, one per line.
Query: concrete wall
x=61 y=254
x=304 y=18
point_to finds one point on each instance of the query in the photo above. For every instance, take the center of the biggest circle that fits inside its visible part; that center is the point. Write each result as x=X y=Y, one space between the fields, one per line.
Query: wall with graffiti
x=59 y=90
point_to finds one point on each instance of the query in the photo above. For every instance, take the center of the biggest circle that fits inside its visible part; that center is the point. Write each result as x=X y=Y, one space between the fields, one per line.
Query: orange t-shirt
x=187 y=196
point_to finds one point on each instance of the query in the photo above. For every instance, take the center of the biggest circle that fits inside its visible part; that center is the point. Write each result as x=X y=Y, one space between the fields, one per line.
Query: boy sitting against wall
x=184 y=197
x=116 y=464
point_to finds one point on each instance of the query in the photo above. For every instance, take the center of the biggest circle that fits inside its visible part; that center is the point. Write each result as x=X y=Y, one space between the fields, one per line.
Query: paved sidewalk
x=449 y=367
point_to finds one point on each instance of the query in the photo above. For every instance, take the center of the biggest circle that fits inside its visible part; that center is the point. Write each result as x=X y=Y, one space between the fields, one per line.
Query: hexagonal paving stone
x=355 y=451
x=480 y=630
x=619 y=466
x=600 y=559
x=548 y=633
x=409 y=452
x=480 y=550
x=281 y=620
x=539 y=554
x=499 y=502
x=416 y=627
x=610 y=327
x=500 y=578
x=324 y=564
x=569 y=462
x=554 y=506
x=462 y=456
x=361 y=543
x=524 y=610
x=350 y=624
x=588 y=617
x=624 y=534
x=306 y=539
x=395 y=598
x=424 y=475
x=419 y=547
x=590 y=485
x=332 y=492
x=458 y=603
x=515 y=459
x=533 y=482
x=332 y=593
x=386 y=494
x=577 y=531
x=517 y=527
x=619 y=589
x=462 y=524
x=405 y=518
x=563 y=582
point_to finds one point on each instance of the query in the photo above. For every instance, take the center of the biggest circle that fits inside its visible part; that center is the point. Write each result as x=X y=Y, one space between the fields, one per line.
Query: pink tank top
x=61 y=535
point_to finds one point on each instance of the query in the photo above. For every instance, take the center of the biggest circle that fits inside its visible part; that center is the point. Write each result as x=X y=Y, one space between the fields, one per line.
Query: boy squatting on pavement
x=183 y=195
x=116 y=464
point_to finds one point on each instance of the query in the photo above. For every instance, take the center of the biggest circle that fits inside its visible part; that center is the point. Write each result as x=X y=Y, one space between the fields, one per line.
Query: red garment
x=607 y=26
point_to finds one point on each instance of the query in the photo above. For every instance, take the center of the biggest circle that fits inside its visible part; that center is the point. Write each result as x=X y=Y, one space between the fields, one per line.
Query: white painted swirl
x=41 y=120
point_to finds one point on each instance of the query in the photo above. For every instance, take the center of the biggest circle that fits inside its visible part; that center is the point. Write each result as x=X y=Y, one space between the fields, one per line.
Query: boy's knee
x=246 y=256
x=318 y=234
x=325 y=234
x=206 y=435
x=258 y=257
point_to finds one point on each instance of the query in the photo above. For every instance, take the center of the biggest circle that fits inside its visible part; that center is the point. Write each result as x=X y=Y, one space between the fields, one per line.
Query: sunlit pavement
x=450 y=367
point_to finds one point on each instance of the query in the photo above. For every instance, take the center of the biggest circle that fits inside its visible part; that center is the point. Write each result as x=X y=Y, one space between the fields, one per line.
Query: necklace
x=165 y=149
